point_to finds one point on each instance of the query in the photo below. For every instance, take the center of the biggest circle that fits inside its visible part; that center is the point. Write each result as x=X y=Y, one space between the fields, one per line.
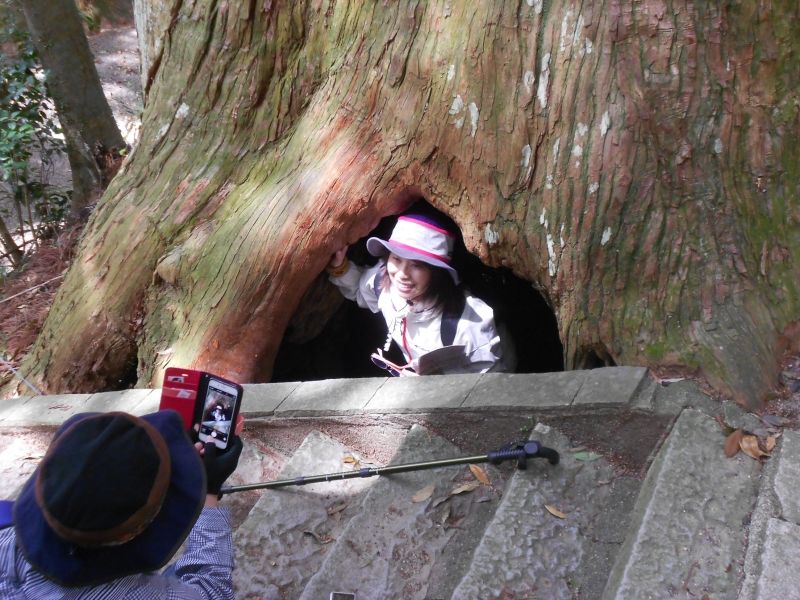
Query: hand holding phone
x=220 y=465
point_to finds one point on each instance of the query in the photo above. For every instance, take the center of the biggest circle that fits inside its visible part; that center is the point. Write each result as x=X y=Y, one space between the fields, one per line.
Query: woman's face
x=410 y=278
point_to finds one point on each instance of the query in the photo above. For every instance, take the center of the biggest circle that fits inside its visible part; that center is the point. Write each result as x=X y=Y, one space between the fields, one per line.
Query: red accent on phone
x=180 y=391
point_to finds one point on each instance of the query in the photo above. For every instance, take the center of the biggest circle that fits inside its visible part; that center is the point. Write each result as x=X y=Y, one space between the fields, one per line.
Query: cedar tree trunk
x=636 y=161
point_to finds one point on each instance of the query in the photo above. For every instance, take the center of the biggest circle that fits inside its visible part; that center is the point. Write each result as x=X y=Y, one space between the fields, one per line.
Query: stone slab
x=149 y=403
x=399 y=394
x=330 y=395
x=527 y=552
x=44 y=410
x=125 y=400
x=18 y=459
x=672 y=398
x=262 y=399
x=780 y=575
x=534 y=390
x=766 y=508
x=290 y=530
x=686 y=535
x=411 y=525
x=611 y=385
x=787 y=478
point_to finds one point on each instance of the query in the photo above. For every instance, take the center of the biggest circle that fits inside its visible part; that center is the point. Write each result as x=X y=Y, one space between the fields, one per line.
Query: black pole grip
x=550 y=454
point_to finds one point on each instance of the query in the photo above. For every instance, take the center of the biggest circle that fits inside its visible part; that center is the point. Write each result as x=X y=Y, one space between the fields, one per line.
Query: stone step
x=289 y=531
x=414 y=532
x=772 y=564
x=528 y=552
x=688 y=530
x=19 y=457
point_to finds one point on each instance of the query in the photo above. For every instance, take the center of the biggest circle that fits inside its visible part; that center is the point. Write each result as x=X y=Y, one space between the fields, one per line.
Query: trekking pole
x=519 y=451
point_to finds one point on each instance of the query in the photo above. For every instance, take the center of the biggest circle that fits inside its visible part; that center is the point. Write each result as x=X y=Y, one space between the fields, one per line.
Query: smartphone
x=220 y=407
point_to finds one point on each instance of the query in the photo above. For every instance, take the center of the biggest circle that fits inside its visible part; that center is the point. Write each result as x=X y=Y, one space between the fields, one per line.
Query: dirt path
x=116 y=52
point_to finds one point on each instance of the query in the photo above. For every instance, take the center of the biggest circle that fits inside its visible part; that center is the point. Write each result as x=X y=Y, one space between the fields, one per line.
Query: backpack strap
x=378 y=281
x=6 y=513
x=450 y=318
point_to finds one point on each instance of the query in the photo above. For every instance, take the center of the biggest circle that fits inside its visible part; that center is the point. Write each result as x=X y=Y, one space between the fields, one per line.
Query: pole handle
x=521 y=452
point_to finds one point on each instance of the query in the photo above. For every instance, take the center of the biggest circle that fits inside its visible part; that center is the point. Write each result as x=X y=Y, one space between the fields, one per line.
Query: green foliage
x=29 y=140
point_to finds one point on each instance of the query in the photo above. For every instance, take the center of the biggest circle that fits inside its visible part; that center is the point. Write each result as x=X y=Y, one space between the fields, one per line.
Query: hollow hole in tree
x=595 y=358
x=342 y=348
x=122 y=374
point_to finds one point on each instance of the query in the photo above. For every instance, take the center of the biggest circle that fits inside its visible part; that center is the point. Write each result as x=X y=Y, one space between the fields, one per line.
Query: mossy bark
x=635 y=161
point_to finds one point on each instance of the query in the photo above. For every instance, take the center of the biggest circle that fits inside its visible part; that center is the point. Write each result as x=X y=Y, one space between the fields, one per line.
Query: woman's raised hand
x=337 y=258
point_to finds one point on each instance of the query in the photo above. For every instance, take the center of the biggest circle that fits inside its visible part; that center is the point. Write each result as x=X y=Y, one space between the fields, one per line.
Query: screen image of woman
x=217 y=415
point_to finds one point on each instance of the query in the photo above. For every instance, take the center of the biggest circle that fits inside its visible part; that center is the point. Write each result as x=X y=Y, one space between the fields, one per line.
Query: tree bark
x=635 y=161
x=91 y=134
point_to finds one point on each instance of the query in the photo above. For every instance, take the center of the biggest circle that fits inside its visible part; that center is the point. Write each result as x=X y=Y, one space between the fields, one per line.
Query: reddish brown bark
x=635 y=161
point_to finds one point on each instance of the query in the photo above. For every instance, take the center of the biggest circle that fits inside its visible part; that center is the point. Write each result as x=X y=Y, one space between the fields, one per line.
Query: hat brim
x=381 y=248
x=69 y=565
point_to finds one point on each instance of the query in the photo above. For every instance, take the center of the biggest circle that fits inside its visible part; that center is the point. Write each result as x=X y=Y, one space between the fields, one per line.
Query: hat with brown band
x=114 y=495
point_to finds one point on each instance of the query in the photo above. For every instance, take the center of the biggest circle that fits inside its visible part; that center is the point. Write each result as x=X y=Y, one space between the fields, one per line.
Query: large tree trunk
x=635 y=161
x=92 y=137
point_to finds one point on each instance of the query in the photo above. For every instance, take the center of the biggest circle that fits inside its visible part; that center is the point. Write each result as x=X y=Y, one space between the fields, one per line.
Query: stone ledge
x=603 y=388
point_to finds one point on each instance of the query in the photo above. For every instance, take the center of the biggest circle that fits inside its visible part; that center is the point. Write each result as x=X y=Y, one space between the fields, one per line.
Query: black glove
x=220 y=465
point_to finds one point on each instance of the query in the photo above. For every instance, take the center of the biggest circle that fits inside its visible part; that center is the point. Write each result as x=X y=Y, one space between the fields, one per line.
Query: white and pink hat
x=418 y=237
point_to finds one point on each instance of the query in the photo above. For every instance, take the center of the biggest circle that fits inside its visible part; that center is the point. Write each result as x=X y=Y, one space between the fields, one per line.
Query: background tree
x=637 y=162
x=30 y=206
x=93 y=140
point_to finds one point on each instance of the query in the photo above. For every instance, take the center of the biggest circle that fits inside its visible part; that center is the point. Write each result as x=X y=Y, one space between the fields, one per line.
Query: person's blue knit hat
x=114 y=495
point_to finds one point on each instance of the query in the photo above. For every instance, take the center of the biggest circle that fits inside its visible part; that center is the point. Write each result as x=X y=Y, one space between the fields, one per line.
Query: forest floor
x=26 y=295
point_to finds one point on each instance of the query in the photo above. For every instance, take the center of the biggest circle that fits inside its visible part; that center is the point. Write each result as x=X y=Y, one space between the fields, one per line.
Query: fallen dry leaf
x=480 y=474
x=774 y=420
x=769 y=443
x=555 y=512
x=732 y=443
x=749 y=445
x=453 y=521
x=470 y=486
x=351 y=460
x=322 y=539
x=586 y=456
x=336 y=508
x=424 y=493
x=438 y=501
x=445 y=515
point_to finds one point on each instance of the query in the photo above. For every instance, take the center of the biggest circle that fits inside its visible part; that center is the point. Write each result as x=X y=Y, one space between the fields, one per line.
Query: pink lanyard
x=403 y=329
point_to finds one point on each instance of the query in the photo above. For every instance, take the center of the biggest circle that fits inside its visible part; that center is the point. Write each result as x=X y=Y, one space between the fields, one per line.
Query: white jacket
x=476 y=329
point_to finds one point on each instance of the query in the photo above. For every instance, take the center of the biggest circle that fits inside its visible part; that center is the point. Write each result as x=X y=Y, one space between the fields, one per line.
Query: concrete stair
x=661 y=514
x=289 y=531
x=410 y=536
x=687 y=535
x=683 y=532
x=526 y=552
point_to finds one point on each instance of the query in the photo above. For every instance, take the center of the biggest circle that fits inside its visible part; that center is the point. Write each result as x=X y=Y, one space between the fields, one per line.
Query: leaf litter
x=555 y=512
x=756 y=447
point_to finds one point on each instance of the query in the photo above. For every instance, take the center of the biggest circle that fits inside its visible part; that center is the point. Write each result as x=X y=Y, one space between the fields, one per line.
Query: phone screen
x=219 y=411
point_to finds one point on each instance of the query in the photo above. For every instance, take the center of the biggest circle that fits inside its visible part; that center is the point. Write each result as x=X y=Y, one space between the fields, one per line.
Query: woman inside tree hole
x=343 y=348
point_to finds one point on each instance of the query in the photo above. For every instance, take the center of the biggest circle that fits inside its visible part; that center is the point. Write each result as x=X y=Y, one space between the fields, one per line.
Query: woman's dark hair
x=442 y=290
